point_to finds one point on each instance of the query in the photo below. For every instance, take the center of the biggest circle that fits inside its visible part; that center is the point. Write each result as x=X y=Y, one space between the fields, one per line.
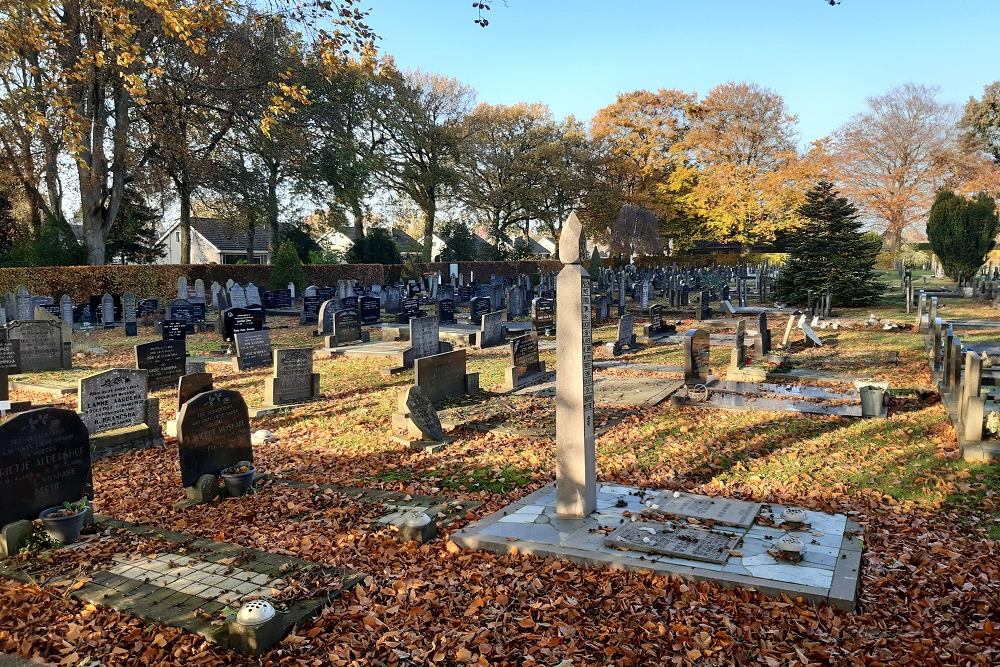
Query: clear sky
x=576 y=55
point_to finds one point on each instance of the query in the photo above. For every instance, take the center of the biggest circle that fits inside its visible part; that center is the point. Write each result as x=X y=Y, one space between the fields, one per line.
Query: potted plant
x=239 y=478
x=63 y=523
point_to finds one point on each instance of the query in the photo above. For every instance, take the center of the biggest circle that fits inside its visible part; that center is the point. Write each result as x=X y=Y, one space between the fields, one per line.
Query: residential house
x=214 y=241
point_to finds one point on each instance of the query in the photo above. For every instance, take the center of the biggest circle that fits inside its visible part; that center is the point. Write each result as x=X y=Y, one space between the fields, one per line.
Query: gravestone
x=181 y=310
x=280 y=299
x=311 y=305
x=182 y=288
x=174 y=329
x=239 y=320
x=44 y=462
x=697 y=348
x=762 y=345
x=129 y=314
x=705 y=306
x=238 y=296
x=738 y=355
x=679 y=542
x=346 y=329
x=393 y=300
x=293 y=380
x=113 y=399
x=199 y=290
x=253 y=349
x=324 y=320
x=525 y=366
x=192 y=384
x=444 y=375
x=424 y=340
x=409 y=308
x=576 y=484
x=657 y=327
x=349 y=302
x=41 y=344
x=446 y=311
x=108 y=311
x=478 y=307
x=543 y=316
x=370 y=310
x=253 y=295
x=626 y=336
x=66 y=310
x=147 y=308
x=788 y=329
x=491 y=330
x=25 y=309
x=418 y=416
x=10 y=362
x=164 y=360
x=213 y=433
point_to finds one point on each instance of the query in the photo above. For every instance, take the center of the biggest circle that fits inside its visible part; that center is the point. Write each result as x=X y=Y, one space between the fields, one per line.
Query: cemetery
x=221 y=467
x=309 y=356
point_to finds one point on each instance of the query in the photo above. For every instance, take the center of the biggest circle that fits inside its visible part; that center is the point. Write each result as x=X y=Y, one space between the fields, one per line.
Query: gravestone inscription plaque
x=213 y=433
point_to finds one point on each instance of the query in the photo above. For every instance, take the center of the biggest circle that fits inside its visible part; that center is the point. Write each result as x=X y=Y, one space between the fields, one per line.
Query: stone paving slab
x=201 y=589
x=828 y=573
x=735 y=395
x=615 y=390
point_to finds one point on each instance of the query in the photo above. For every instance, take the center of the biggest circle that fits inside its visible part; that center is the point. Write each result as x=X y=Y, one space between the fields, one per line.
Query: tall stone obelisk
x=576 y=483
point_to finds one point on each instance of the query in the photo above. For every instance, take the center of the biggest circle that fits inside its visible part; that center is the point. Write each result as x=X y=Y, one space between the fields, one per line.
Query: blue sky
x=576 y=55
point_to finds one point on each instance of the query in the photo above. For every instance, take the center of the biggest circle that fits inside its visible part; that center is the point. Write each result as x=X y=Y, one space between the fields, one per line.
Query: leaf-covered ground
x=930 y=592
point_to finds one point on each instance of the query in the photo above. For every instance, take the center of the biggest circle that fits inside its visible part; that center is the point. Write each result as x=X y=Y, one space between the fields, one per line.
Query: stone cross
x=576 y=481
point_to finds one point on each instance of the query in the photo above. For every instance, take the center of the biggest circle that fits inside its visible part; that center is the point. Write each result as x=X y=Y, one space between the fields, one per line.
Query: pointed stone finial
x=572 y=243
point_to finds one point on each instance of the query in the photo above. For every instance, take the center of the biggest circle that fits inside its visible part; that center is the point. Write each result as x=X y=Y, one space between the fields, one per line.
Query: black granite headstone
x=370 y=310
x=174 y=329
x=213 y=433
x=346 y=328
x=166 y=361
x=446 y=311
x=236 y=320
x=44 y=462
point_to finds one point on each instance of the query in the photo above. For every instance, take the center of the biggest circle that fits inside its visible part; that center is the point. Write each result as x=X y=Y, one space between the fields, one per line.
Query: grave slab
x=828 y=573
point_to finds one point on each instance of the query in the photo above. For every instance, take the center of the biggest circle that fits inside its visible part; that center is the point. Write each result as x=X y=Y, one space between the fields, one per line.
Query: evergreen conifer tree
x=286 y=268
x=830 y=252
x=962 y=232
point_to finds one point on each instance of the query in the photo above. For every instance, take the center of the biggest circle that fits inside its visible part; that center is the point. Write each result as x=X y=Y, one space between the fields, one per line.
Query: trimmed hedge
x=160 y=280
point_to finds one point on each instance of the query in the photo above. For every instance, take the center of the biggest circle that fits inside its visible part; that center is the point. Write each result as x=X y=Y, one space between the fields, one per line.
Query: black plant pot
x=64 y=529
x=237 y=484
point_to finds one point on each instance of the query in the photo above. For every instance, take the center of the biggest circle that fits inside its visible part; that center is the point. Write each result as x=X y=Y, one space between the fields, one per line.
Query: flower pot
x=61 y=526
x=872 y=400
x=238 y=483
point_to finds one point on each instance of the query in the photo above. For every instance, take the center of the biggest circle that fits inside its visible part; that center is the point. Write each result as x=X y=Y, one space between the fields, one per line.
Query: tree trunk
x=359 y=220
x=273 y=237
x=184 y=195
x=250 y=239
x=429 y=210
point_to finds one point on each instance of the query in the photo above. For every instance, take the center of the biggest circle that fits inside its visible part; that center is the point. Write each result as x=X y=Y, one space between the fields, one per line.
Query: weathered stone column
x=576 y=484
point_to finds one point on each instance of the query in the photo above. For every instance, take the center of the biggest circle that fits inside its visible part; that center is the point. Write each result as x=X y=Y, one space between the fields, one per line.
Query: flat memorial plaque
x=721 y=510
x=662 y=538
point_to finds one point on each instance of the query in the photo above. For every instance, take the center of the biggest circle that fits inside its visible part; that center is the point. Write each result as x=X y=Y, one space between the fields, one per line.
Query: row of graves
x=778 y=550
x=221 y=590
x=967 y=379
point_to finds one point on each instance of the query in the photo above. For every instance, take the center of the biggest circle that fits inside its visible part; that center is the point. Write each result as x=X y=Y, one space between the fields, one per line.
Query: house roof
x=225 y=237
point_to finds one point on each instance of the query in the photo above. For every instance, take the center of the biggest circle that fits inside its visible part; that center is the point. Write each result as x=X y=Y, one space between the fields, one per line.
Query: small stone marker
x=419 y=417
x=723 y=511
x=113 y=399
x=44 y=462
x=697 y=348
x=253 y=349
x=669 y=540
x=524 y=363
x=213 y=433
x=738 y=355
x=10 y=362
x=491 y=330
x=293 y=380
x=165 y=360
x=626 y=335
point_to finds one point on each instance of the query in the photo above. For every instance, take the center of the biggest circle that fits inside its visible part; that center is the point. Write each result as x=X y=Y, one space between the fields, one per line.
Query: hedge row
x=80 y=282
